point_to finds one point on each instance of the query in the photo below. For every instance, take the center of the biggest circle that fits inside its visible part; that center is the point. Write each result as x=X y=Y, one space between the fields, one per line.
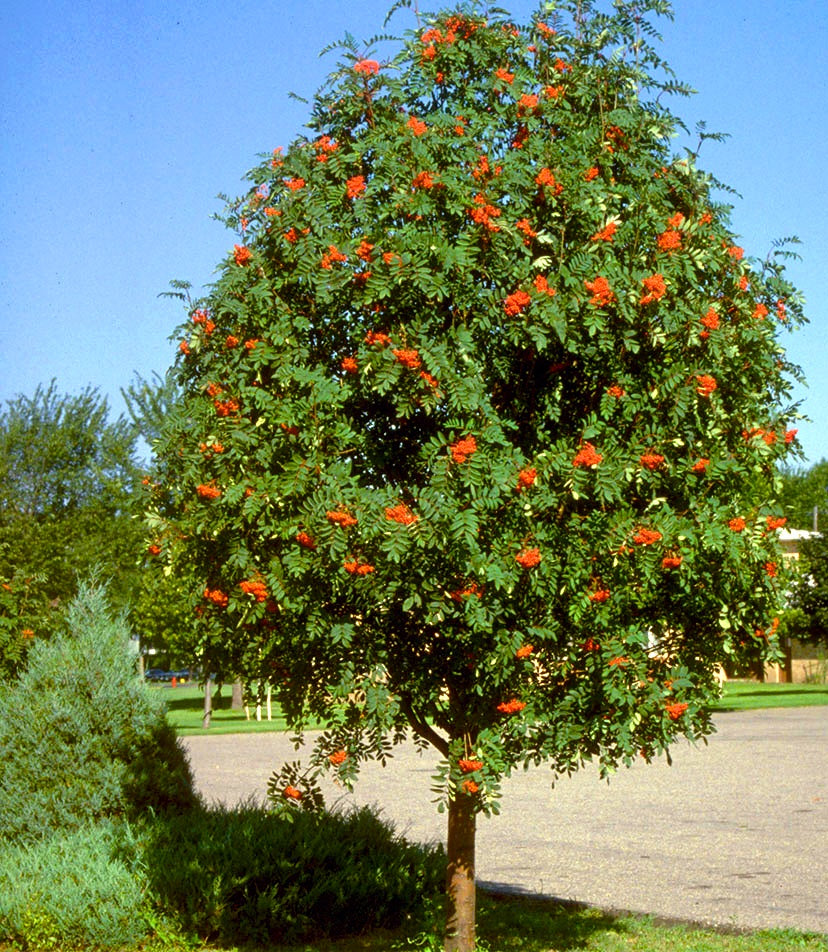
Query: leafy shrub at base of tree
x=247 y=875
x=81 y=737
x=234 y=876
x=72 y=890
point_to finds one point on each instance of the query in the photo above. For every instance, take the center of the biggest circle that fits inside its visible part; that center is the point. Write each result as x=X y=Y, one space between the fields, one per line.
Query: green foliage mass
x=482 y=413
x=76 y=890
x=804 y=494
x=809 y=593
x=159 y=610
x=231 y=876
x=81 y=737
x=69 y=483
x=22 y=614
x=264 y=879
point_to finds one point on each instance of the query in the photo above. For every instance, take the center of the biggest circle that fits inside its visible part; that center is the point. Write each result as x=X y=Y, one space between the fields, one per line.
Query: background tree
x=806 y=616
x=69 y=485
x=161 y=614
x=804 y=495
x=150 y=402
x=481 y=416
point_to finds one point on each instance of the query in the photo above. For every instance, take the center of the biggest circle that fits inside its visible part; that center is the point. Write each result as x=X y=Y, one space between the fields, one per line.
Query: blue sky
x=121 y=122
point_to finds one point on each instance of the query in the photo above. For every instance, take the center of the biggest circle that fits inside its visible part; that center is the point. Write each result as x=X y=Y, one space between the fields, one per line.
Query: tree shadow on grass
x=182 y=702
x=515 y=920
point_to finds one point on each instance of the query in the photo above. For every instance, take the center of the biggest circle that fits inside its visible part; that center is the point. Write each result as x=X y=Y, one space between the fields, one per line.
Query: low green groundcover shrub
x=247 y=875
x=77 y=890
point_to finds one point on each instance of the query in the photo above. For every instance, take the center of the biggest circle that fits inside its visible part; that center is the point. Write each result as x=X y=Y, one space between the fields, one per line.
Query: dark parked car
x=157 y=674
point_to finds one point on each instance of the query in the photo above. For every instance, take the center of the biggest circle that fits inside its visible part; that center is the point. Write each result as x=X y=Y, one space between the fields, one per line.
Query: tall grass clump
x=81 y=737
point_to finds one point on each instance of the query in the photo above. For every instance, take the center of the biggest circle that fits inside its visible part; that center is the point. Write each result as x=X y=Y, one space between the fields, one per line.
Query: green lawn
x=751 y=695
x=520 y=924
x=185 y=703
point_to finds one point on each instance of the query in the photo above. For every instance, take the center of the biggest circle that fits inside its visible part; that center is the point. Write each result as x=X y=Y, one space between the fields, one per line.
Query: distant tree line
x=71 y=507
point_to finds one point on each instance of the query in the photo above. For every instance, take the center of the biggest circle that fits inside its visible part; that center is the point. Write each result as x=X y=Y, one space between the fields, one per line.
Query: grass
x=185 y=704
x=751 y=695
x=185 y=707
x=536 y=925
x=520 y=924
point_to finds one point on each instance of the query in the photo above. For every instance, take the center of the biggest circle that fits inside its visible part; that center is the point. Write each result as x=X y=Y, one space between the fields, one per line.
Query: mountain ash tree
x=482 y=415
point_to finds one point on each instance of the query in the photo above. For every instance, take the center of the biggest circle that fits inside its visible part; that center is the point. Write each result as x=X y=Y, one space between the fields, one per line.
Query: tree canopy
x=808 y=596
x=160 y=613
x=482 y=413
x=69 y=491
x=804 y=495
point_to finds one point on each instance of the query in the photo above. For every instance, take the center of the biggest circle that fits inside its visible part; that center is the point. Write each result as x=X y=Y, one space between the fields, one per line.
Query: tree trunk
x=460 y=889
x=237 y=701
x=208 y=705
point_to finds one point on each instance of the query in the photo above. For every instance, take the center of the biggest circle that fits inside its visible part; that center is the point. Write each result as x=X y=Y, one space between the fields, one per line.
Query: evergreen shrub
x=81 y=737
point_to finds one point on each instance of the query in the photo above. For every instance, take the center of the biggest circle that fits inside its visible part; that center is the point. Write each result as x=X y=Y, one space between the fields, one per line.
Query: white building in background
x=791 y=539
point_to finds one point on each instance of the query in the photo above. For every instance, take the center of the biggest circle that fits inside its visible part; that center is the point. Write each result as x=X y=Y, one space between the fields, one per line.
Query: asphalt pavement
x=733 y=834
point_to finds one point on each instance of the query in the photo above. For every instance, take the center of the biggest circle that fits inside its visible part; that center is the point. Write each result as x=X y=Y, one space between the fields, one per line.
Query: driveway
x=734 y=834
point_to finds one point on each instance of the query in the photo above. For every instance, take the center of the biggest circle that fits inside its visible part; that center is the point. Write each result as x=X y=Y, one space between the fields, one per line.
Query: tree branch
x=424 y=730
